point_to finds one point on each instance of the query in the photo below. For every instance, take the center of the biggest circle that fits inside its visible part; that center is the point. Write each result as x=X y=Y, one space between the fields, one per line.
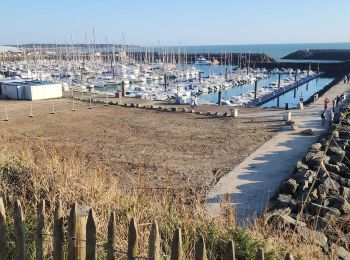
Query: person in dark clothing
x=337 y=100
x=323 y=118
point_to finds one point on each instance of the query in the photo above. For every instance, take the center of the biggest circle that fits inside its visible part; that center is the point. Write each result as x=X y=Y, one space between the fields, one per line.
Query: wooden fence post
x=58 y=232
x=91 y=253
x=154 y=243
x=230 y=251
x=132 y=240
x=111 y=237
x=176 y=247
x=19 y=231
x=77 y=234
x=200 y=251
x=260 y=254
x=39 y=231
x=71 y=231
x=289 y=256
x=3 y=249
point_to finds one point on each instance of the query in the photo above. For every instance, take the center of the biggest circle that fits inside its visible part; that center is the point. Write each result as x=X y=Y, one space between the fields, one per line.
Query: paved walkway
x=258 y=177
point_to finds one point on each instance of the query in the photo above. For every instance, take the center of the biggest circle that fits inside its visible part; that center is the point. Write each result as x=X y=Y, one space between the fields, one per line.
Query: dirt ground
x=158 y=149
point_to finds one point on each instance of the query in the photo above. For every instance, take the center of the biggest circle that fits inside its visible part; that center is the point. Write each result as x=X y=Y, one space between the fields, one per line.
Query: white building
x=30 y=90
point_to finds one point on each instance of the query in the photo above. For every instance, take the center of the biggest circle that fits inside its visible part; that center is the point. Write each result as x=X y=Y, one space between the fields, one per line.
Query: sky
x=176 y=22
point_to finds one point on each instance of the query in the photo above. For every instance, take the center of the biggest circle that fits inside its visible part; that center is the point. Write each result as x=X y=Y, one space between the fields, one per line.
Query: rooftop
x=26 y=82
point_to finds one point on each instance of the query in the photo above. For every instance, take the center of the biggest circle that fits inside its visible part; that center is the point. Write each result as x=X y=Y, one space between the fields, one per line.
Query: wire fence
x=10 y=110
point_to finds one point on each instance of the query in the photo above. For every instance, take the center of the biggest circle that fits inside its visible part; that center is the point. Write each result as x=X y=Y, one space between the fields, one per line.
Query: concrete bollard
x=287 y=116
x=31 y=111
x=301 y=106
x=234 y=112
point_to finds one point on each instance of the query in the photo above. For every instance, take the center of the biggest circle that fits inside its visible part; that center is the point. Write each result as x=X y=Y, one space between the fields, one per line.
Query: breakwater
x=315 y=200
x=341 y=55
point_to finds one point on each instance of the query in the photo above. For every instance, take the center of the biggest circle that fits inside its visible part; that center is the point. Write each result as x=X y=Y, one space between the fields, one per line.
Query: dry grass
x=32 y=176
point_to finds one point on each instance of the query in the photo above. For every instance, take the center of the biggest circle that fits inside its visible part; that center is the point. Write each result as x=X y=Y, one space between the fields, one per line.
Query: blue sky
x=165 y=22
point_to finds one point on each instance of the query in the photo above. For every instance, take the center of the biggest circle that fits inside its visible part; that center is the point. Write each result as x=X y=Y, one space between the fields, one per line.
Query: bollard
x=287 y=116
x=73 y=104
x=90 y=106
x=6 y=115
x=53 y=109
x=31 y=111
x=235 y=113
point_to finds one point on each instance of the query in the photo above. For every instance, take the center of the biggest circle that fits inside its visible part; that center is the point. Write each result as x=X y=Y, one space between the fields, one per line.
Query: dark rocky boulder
x=322 y=211
x=313 y=237
x=289 y=187
x=339 y=203
x=329 y=186
x=284 y=201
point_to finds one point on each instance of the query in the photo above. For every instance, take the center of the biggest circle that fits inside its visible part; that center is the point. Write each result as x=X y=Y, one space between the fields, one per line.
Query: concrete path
x=258 y=177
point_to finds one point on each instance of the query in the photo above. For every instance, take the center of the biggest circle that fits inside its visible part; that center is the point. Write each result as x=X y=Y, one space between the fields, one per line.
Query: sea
x=276 y=51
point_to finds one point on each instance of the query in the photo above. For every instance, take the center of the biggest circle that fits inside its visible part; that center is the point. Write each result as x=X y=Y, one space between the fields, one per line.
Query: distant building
x=30 y=90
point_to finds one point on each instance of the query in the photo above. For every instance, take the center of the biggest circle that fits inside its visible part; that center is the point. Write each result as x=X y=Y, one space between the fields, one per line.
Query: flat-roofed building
x=30 y=90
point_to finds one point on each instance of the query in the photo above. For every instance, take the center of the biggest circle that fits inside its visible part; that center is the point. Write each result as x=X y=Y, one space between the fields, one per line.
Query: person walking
x=195 y=102
x=342 y=97
x=331 y=118
x=337 y=101
x=346 y=78
x=325 y=103
x=323 y=118
x=192 y=102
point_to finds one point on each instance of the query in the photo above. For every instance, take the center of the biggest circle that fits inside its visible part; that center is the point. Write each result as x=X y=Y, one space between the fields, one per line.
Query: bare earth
x=159 y=149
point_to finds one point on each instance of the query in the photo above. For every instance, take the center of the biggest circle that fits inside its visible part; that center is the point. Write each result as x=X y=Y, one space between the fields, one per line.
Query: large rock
x=289 y=187
x=316 y=147
x=314 y=159
x=284 y=201
x=301 y=167
x=339 y=203
x=329 y=186
x=333 y=168
x=336 y=154
x=343 y=143
x=341 y=252
x=345 y=193
x=307 y=132
x=302 y=176
x=322 y=211
x=305 y=197
x=321 y=224
x=344 y=170
x=282 y=221
x=313 y=237
x=341 y=181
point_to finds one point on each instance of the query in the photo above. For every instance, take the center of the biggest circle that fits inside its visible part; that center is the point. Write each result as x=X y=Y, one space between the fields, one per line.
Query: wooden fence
x=82 y=240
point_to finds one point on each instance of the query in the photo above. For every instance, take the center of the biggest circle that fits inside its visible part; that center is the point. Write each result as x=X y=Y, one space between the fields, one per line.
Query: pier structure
x=281 y=91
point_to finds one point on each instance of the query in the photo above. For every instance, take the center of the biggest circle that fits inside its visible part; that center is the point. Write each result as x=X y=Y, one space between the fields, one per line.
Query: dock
x=283 y=90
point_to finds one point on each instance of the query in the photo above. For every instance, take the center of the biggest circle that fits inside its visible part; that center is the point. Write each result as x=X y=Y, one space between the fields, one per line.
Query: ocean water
x=276 y=51
x=292 y=97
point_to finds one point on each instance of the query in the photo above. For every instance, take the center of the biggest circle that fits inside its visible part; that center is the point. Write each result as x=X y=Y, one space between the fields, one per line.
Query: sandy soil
x=159 y=149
